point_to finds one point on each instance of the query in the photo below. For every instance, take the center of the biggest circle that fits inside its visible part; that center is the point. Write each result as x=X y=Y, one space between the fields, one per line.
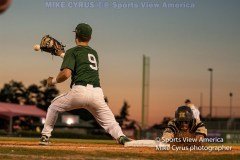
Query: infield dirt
x=28 y=148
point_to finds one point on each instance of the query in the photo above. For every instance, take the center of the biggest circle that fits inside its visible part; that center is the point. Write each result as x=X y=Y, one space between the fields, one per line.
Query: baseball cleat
x=44 y=140
x=123 y=139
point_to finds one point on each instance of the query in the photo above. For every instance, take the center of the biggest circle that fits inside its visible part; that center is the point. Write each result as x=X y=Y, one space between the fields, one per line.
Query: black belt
x=85 y=84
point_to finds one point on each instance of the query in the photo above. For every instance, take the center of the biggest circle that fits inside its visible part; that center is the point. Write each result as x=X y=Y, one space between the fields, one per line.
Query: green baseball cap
x=83 y=29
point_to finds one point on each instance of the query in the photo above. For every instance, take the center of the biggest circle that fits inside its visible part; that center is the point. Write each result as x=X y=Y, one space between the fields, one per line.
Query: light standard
x=211 y=88
x=231 y=95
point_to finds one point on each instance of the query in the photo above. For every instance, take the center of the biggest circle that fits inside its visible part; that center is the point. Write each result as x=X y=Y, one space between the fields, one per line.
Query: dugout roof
x=11 y=110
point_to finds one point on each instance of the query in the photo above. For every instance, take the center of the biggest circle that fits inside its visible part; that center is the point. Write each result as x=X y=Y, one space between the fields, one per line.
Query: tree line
x=41 y=96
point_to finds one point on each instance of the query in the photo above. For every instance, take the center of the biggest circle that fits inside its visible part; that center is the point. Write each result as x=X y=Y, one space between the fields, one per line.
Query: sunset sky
x=182 y=44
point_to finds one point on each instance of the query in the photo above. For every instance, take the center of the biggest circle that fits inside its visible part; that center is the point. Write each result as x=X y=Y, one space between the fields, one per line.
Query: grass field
x=28 y=148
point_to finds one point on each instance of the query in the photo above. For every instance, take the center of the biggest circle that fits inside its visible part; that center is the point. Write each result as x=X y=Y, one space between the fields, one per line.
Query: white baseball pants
x=86 y=97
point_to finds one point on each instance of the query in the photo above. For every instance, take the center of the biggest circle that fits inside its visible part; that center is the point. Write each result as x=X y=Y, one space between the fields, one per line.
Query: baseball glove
x=51 y=45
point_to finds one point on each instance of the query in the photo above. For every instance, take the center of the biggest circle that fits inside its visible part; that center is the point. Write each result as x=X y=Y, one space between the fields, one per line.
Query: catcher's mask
x=184 y=115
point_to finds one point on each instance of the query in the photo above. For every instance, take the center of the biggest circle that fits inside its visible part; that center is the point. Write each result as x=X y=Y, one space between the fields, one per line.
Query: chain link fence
x=221 y=111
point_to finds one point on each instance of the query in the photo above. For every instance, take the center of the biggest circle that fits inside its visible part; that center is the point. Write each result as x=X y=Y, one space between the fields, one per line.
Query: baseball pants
x=87 y=97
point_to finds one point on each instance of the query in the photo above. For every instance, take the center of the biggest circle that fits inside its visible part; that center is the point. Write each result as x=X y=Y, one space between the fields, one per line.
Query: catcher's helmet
x=184 y=113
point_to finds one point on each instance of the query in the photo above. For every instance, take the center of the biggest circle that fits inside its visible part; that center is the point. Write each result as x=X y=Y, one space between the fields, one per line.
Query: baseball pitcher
x=81 y=63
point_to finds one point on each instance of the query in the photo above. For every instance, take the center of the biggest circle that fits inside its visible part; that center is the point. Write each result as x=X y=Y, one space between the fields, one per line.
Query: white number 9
x=93 y=60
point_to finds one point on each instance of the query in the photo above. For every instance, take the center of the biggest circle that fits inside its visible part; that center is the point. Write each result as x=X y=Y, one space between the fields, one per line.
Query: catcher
x=82 y=65
x=183 y=125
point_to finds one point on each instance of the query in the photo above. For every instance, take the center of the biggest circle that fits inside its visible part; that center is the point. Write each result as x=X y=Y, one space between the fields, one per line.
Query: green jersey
x=83 y=61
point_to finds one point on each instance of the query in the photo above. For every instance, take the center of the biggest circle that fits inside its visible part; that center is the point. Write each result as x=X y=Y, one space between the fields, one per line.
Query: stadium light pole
x=230 y=96
x=211 y=89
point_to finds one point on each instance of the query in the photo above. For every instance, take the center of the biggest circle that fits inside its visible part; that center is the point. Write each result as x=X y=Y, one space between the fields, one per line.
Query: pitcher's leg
x=106 y=119
x=51 y=118
x=59 y=104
